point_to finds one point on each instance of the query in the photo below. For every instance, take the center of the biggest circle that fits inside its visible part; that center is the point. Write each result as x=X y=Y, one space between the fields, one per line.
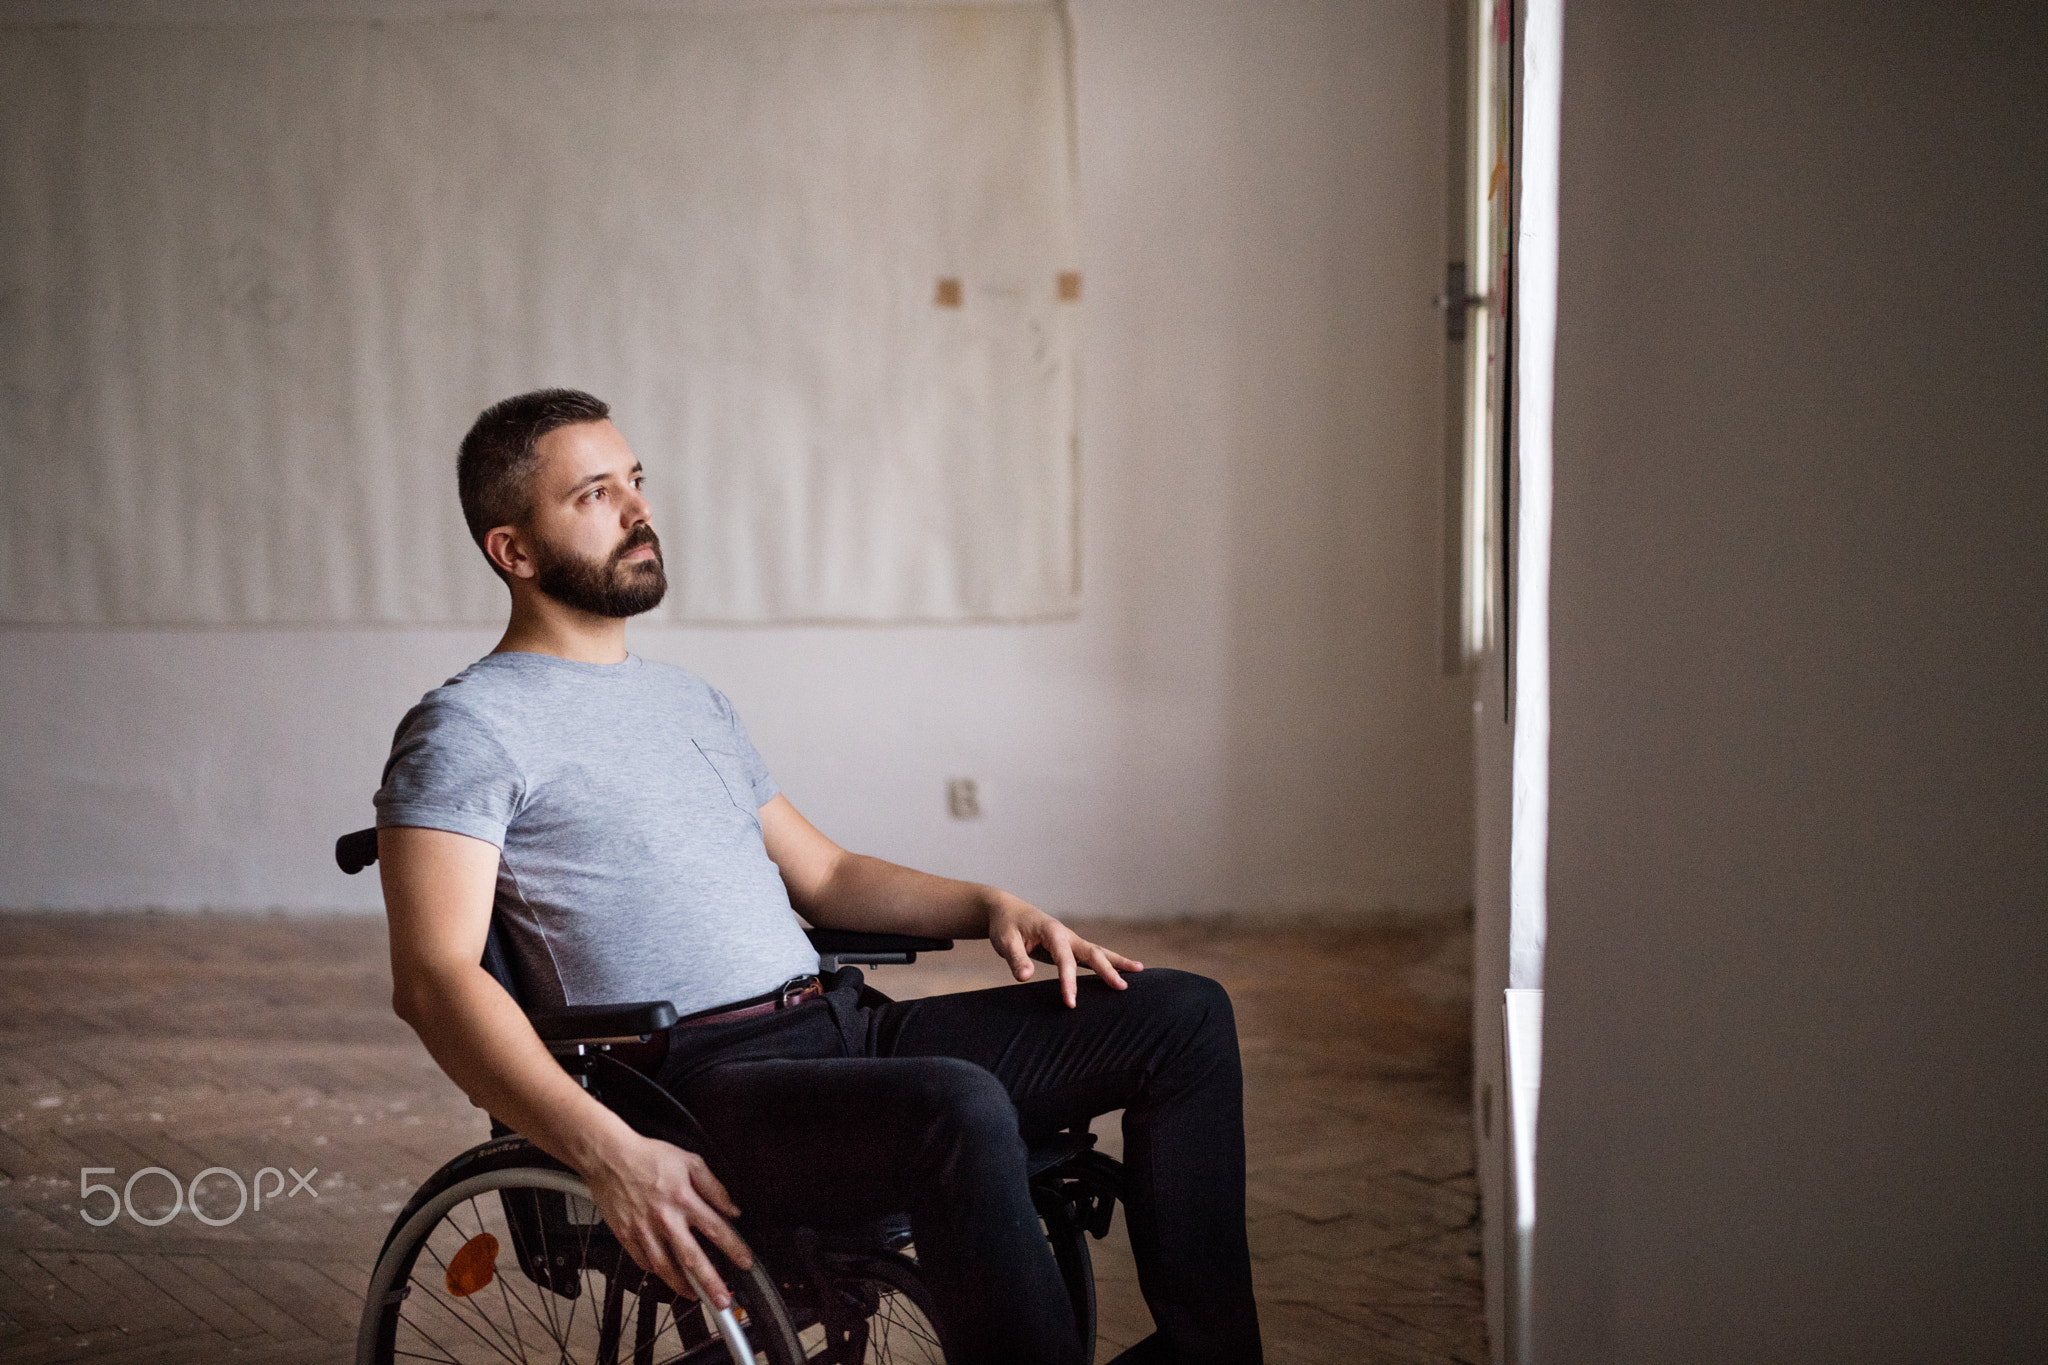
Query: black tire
x=1077 y=1269
x=493 y=1308
x=1077 y=1199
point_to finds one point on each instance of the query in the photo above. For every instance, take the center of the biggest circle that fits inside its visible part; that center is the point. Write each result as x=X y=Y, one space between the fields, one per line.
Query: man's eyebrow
x=589 y=479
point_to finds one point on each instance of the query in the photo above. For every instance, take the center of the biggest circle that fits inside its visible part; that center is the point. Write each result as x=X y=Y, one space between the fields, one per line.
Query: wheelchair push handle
x=356 y=851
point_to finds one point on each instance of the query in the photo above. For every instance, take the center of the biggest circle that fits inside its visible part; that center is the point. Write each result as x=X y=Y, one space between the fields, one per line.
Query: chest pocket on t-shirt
x=731 y=768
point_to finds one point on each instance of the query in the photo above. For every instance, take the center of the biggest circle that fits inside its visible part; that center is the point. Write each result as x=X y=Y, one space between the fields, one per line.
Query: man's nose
x=634 y=509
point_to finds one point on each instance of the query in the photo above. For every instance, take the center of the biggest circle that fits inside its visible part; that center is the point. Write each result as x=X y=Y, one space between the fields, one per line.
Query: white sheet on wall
x=256 y=279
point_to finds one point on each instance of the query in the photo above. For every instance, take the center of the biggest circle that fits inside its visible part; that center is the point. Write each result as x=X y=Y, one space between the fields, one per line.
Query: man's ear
x=506 y=547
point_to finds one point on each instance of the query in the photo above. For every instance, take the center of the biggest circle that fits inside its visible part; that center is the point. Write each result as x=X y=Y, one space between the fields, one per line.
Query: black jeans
x=855 y=1106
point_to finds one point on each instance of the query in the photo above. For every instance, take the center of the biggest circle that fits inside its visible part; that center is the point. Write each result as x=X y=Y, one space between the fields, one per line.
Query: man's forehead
x=581 y=453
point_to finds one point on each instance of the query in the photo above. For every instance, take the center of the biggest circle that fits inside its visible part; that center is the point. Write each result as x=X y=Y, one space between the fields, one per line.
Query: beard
x=611 y=587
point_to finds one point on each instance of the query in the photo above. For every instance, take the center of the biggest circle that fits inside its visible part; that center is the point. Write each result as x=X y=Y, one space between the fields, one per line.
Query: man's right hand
x=438 y=888
x=652 y=1194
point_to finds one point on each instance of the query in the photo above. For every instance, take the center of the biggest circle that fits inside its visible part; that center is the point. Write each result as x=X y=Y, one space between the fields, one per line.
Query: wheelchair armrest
x=837 y=946
x=588 y=1023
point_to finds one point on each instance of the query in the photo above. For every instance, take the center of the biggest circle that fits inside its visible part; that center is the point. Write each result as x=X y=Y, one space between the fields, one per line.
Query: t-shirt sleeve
x=448 y=770
x=755 y=768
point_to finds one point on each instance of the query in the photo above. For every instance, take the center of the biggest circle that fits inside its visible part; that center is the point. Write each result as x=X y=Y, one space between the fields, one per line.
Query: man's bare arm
x=438 y=889
x=835 y=889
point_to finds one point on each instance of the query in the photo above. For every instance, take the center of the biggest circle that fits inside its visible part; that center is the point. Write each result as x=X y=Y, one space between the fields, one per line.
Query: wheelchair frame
x=837 y=1282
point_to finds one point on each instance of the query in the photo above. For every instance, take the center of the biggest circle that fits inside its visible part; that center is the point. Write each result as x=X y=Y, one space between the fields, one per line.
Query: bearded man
x=614 y=816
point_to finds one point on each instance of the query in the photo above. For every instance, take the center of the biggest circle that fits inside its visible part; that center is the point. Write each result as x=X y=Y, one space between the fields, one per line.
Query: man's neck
x=541 y=625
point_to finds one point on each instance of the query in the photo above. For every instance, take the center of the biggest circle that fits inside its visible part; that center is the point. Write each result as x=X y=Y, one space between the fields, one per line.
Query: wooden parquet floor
x=186 y=1042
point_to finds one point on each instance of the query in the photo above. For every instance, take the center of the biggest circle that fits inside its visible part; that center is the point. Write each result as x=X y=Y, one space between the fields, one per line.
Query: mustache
x=642 y=534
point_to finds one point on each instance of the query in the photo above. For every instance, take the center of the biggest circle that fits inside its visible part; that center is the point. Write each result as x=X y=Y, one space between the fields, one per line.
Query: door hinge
x=1455 y=302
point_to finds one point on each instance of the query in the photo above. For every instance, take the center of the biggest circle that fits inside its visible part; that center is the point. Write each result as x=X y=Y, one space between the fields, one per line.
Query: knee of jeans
x=1202 y=1004
x=969 y=1110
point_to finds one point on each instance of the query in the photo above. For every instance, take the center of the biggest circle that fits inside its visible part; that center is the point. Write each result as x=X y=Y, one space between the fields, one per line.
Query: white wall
x=1247 y=713
x=1795 y=1076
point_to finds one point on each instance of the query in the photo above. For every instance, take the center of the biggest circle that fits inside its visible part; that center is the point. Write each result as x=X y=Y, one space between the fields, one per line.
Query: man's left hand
x=1015 y=927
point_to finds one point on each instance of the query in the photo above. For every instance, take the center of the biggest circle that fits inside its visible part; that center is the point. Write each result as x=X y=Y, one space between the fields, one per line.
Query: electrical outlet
x=963 y=801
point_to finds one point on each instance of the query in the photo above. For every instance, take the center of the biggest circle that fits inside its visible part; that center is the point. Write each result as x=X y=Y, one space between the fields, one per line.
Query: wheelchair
x=443 y=1289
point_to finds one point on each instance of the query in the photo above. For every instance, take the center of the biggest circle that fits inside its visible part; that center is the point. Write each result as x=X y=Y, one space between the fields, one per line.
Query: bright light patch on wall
x=257 y=277
x=1529 y=840
x=1535 y=364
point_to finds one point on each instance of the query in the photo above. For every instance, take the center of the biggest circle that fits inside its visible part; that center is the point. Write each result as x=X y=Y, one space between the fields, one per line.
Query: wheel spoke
x=504 y=1288
x=412 y=1323
x=498 y=1275
x=518 y=1344
x=556 y=1327
x=520 y=1207
x=503 y=1347
x=449 y=1310
x=505 y=1297
x=666 y=1320
x=584 y=1273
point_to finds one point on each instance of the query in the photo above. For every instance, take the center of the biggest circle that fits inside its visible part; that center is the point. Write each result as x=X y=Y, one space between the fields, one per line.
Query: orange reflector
x=473 y=1267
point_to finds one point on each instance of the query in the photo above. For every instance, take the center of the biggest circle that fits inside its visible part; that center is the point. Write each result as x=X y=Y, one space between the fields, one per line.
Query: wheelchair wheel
x=1076 y=1199
x=874 y=1310
x=501 y=1260
x=1077 y=1270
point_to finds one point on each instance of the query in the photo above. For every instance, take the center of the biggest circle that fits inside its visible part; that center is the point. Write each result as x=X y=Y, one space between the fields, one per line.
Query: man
x=616 y=817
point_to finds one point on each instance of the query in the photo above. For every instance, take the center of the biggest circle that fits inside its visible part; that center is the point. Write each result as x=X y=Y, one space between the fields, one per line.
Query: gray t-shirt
x=623 y=800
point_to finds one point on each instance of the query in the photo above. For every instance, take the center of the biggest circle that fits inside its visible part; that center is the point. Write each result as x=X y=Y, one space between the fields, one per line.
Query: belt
x=788 y=995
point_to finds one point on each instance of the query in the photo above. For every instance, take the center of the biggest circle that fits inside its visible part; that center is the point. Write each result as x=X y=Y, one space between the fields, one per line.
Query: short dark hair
x=493 y=474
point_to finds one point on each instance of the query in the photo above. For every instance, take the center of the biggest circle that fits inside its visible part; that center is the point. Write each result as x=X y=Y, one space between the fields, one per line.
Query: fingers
x=1011 y=947
x=1063 y=955
x=659 y=1222
x=685 y=1253
x=702 y=1205
x=1038 y=935
x=1104 y=963
x=724 y=1238
x=691 y=1257
x=707 y=1185
x=676 y=1259
x=1069 y=952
